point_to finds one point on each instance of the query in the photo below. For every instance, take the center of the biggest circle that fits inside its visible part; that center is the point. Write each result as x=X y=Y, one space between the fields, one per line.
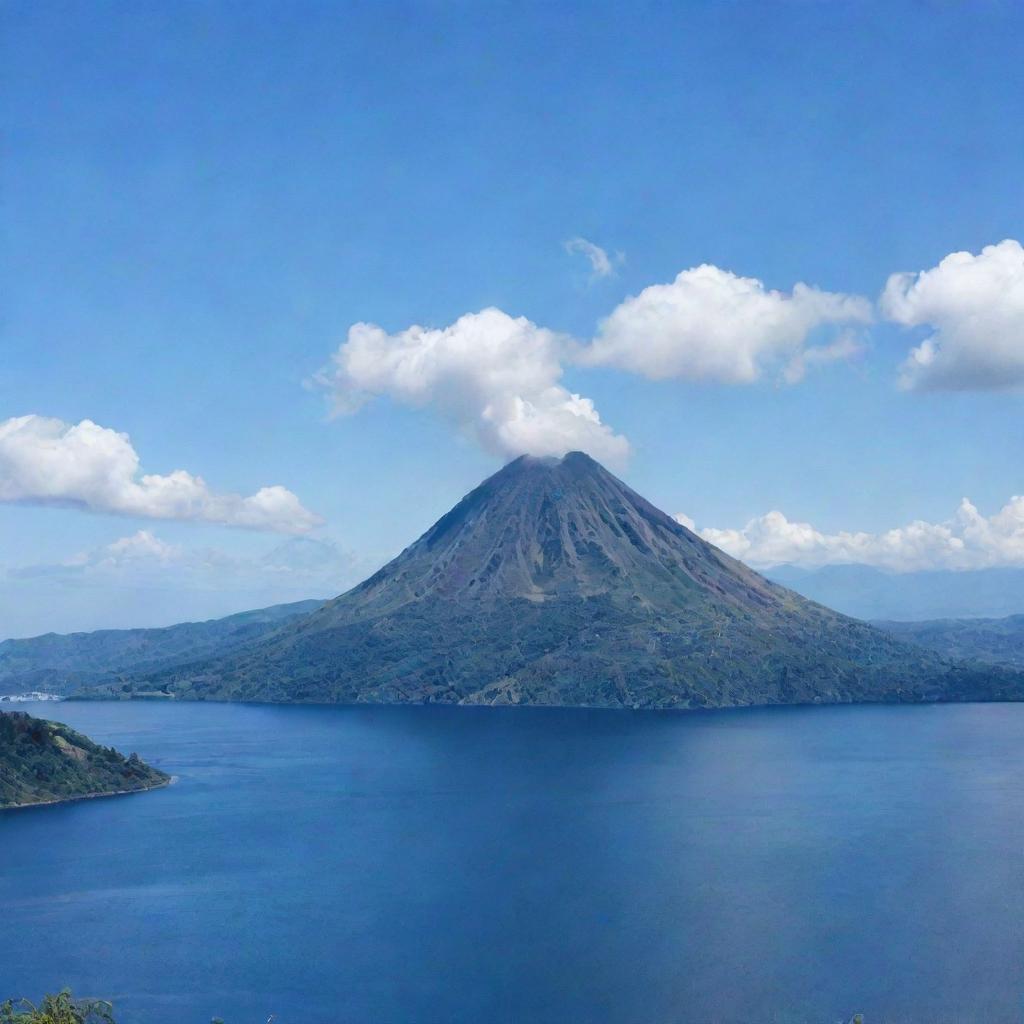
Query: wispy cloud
x=601 y=264
x=312 y=567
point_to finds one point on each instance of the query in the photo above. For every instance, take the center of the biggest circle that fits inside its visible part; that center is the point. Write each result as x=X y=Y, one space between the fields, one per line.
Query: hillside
x=554 y=583
x=61 y=663
x=996 y=641
x=42 y=762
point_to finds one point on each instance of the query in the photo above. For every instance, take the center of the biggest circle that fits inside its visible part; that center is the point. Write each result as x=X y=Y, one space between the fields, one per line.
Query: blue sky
x=199 y=201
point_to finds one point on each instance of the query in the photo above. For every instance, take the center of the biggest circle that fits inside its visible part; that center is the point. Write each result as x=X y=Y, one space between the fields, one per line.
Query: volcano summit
x=553 y=583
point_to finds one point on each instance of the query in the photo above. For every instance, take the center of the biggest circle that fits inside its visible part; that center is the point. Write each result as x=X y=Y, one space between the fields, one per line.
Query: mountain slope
x=42 y=762
x=996 y=641
x=554 y=583
x=61 y=663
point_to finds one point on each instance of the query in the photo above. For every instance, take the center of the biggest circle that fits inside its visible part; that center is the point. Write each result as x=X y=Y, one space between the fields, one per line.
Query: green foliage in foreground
x=65 y=1009
x=62 y=1008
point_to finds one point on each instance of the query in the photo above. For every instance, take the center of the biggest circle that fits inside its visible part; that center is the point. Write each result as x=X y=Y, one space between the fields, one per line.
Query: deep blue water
x=407 y=865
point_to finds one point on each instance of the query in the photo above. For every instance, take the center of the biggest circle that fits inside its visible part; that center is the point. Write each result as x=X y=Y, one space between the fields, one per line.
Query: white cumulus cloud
x=975 y=308
x=494 y=376
x=968 y=540
x=46 y=461
x=710 y=324
x=601 y=264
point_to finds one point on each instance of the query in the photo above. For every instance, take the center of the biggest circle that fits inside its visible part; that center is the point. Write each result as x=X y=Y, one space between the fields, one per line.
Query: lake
x=477 y=865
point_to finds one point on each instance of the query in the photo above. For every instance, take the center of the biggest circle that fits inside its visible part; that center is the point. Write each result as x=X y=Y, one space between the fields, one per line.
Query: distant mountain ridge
x=868 y=593
x=555 y=583
x=63 y=663
x=995 y=641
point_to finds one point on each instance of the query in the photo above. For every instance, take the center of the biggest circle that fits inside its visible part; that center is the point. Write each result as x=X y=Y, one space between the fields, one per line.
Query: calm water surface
x=408 y=865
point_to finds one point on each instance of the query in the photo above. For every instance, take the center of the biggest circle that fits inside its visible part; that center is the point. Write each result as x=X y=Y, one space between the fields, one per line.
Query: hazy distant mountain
x=997 y=641
x=869 y=593
x=554 y=583
x=61 y=663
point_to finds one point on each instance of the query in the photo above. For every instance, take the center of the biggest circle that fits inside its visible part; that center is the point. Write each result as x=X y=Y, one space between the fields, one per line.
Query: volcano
x=553 y=583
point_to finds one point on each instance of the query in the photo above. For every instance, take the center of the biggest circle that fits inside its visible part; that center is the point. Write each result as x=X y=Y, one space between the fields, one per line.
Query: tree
x=59 y=1009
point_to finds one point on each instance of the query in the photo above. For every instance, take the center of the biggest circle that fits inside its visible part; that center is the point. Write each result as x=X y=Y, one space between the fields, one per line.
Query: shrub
x=59 y=1009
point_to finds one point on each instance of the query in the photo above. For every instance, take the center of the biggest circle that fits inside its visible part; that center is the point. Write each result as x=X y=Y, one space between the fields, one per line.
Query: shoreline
x=74 y=698
x=169 y=781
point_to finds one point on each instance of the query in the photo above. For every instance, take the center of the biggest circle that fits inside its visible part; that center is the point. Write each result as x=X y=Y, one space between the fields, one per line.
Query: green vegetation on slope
x=61 y=663
x=994 y=641
x=43 y=761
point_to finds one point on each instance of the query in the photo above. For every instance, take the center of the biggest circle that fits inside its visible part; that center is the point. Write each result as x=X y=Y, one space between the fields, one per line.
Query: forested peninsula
x=46 y=762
